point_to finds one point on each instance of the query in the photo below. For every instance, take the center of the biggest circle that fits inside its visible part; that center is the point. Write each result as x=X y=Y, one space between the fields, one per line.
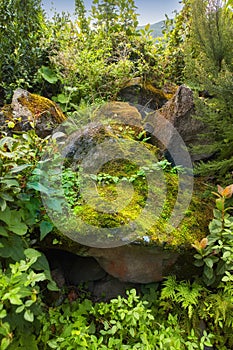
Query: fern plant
x=183 y=297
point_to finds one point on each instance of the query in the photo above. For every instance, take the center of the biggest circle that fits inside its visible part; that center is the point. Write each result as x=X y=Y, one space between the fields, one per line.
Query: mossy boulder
x=121 y=112
x=146 y=95
x=30 y=111
x=124 y=197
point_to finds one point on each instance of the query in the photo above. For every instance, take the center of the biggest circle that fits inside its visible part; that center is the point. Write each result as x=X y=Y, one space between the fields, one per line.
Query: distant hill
x=156 y=28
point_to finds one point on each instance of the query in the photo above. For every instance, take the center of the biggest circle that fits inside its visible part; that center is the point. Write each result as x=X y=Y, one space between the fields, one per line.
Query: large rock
x=137 y=264
x=180 y=112
x=167 y=251
x=111 y=121
x=121 y=112
x=30 y=111
x=130 y=264
x=146 y=95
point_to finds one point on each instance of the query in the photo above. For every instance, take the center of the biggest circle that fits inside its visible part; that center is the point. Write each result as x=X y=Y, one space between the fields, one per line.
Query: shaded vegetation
x=79 y=64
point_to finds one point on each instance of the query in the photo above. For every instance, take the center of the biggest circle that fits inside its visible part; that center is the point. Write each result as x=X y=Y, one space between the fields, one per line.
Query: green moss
x=158 y=92
x=39 y=105
x=194 y=225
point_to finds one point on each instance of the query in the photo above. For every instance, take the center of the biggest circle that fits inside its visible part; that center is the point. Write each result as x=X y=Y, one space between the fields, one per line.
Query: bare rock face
x=111 y=271
x=30 y=111
x=179 y=111
x=135 y=264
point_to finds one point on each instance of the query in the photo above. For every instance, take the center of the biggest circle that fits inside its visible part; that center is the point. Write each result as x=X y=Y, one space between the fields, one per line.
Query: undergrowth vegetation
x=81 y=63
x=173 y=315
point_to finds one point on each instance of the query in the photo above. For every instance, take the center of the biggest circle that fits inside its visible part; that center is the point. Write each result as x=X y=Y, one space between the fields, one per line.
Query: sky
x=150 y=11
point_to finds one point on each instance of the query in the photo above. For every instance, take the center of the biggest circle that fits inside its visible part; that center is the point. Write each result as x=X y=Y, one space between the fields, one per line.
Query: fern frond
x=169 y=288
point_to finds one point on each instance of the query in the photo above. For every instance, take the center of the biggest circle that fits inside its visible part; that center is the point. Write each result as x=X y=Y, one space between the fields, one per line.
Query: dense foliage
x=209 y=68
x=22 y=24
x=172 y=315
x=89 y=60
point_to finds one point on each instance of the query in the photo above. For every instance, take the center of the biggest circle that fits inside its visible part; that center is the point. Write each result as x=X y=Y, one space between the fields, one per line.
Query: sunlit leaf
x=48 y=74
x=28 y=316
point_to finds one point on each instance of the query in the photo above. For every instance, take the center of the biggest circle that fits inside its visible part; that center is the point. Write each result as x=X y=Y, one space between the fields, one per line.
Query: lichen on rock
x=30 y=111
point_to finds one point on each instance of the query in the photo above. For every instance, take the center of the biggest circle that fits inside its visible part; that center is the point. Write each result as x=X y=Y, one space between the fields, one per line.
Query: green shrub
x=22 y=268
x=22 y=24
x=123 y=323
x=215 y=252
x=20 y=301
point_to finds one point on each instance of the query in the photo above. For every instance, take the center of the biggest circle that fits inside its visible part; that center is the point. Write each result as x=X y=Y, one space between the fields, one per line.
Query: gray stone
x=33 y=111
x=180 y=112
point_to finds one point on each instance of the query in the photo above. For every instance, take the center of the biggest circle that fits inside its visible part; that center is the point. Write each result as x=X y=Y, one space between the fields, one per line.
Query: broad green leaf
x=45 y=228
x=33 y=278
x=198 y=263
x=3 y=313
x=52 y=286
x=32 y=253
x=38 y=187
x=215 y=226
x=28 y=316
x=53 y=344
x=19 y=168
x=62 y=98
x=220 y=203
x=13 y=247
x=226 y=255
x=10 y=182
x=48 y=74
x=132 y=332
x=7 y=197
x=3 y=232
x=217 y=214
x=41 y=263
x=15 y=299
x=208 y=272
x=29 y=302
x=20 y=309
x=13 y=220
x=209 y=262
x=20 y=228
x=5 y=343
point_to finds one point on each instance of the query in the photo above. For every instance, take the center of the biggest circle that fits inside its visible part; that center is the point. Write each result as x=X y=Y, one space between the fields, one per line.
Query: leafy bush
x=215 y=252
x=20 y=300
x=20 y=202
x=123 y=323
x=22 y=268
x=93 y=57
x=208 y=58
x=21 y=28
